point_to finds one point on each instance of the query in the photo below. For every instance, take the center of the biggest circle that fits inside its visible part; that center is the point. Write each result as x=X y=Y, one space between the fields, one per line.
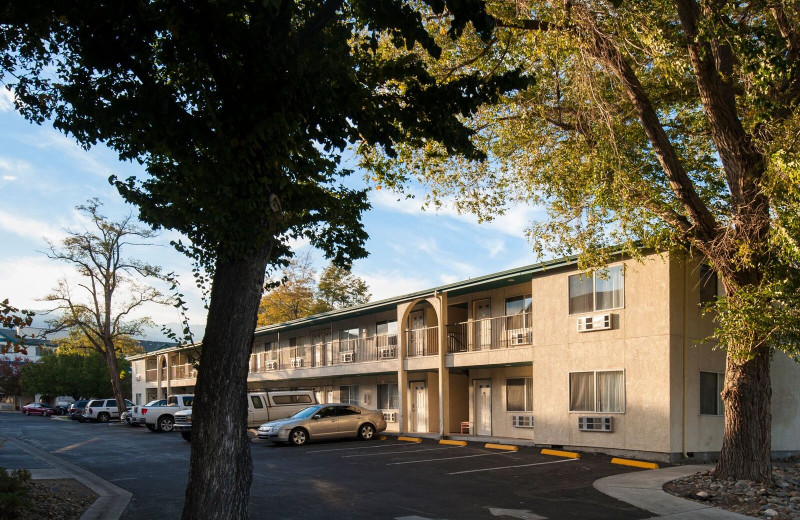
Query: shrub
x=13 y=489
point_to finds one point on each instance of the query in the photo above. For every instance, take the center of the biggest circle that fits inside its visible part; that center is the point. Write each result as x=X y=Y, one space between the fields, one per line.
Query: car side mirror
x=318 y=416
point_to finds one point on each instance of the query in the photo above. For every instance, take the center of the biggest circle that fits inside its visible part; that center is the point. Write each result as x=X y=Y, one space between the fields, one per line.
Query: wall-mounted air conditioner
x=297 y=362
x=595 y=424
x=348 y=357
x=520 y=337
x=272 y=365
x=595 y=322
x=386 y=353
x=522 y=421
x=390 y=416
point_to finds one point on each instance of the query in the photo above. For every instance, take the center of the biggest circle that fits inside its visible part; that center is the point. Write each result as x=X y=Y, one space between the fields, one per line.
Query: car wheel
x=366 y=432
x=27 y=412
x=187 y=436
x=298 y=437
x=103 y=417
x=165 y=423
x=151 y=428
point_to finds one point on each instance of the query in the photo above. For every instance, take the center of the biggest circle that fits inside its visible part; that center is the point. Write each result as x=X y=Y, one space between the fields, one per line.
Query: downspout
x=685 y=346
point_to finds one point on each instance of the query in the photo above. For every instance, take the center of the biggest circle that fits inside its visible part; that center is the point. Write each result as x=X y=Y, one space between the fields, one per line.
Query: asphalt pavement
x=139 y=474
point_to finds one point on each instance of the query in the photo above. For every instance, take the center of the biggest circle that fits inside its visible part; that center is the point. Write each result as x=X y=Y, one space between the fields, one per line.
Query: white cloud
x=388 y=284
x=25 y=280
x=29 y=228
x=6 y=100
x=9 y=178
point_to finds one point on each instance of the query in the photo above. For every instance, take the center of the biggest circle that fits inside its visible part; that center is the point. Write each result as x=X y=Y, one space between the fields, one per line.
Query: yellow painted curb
x=409 y=439
x=506 y=447
x=453 y=443
x=381 y=438
x=635 y=463
x=559 y=453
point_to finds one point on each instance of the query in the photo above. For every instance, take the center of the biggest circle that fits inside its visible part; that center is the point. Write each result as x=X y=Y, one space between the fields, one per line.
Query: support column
x=402 y=375
x=444 y=373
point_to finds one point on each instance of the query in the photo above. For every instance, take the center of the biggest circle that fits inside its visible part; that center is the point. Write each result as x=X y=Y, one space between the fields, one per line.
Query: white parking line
x=509 y=467
x=450 y=458
x=365 y=448
x=393 y=453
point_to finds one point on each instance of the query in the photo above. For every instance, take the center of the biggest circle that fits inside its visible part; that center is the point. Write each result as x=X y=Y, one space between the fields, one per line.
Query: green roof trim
x=489 y=281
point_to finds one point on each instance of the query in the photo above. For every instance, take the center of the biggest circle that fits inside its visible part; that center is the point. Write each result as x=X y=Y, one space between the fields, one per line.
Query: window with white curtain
x=711 y=393
x=602 y=391
x=348 y=394
x=519 y=394
x=603 y=291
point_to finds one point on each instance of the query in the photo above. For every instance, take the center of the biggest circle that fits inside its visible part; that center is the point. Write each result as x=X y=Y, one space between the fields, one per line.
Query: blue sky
x=44 y=175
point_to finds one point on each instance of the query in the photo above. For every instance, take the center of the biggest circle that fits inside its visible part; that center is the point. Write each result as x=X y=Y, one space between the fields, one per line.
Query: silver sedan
x=324 y=421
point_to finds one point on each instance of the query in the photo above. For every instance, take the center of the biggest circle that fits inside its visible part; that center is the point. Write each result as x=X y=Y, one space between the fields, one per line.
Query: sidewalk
x=112 y=500
x=643 y=489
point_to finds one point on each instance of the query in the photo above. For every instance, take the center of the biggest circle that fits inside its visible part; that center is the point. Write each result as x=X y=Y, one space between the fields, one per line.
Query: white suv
x=102 y=410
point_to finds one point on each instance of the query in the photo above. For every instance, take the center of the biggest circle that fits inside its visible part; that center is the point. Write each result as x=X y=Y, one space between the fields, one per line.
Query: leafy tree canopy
x=78 y=375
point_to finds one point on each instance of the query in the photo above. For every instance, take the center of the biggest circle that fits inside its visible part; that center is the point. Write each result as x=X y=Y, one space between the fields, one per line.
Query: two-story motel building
x=540 y=354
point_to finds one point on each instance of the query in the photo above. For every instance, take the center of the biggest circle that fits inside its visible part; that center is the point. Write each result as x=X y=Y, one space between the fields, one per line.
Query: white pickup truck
x=162 y=418
x=261 y=407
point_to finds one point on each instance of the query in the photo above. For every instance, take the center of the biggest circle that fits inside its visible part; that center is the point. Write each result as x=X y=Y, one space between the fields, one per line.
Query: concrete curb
x=111 y=501
x=643 y=489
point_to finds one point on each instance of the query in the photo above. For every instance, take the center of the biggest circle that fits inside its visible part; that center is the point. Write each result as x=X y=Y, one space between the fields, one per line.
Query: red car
x=38 y=409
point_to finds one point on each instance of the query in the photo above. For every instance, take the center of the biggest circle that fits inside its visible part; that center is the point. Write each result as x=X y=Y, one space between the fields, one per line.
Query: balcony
x=185 y=371
x=337 y=352
x=490 y=333
x=422 y=342
x=151 y=375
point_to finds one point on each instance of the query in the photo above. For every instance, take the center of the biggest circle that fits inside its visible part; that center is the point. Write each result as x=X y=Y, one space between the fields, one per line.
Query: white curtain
x=611 y=391
x=609 y=288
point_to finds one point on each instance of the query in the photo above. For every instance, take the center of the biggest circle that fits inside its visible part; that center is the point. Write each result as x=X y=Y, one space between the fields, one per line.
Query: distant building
x=34 y=345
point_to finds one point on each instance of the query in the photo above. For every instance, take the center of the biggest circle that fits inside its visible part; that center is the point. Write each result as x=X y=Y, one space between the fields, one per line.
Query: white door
x=483 y=407
x=483 y=324
x=417 y=334
x=419 y=407
x=320 y=341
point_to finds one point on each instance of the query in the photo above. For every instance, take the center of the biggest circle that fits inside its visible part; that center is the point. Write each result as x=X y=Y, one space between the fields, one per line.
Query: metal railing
x=336 y=352
x=185 y=371
x=422 y=342
x=490 y=333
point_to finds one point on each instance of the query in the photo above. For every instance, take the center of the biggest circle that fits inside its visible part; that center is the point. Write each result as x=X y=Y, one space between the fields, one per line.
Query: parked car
x=261 y=406
x=75 y=411
x=135 y=417
x=324 y=421
x=102 y=410
x=63 y=403
x=162 y=418
x=42 y=409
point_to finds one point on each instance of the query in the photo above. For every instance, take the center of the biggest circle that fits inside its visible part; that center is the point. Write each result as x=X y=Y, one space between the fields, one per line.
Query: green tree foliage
x=239 y=110
x=298 y=294
x=75 y=374
x=668 y=125
x=76 y=343
x=338 y=288
x=99 y=312
x=14 y=318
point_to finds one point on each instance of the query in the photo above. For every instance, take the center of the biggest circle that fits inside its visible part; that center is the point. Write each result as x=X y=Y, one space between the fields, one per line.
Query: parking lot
x=384 y=479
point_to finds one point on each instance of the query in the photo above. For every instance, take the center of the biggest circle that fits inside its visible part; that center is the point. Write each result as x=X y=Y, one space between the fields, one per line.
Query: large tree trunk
x=113 y=369
x=220 y=469
x=747 y=396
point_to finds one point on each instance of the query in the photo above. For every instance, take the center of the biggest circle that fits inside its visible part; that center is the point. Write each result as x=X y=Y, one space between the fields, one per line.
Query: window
x=256 y=402
x=387 y=397
x=603 y=291
x=301 y=399
x=519 y=394
x=597 y=391
x=270 y=345
x=348 y=394
x=710 y=393
x=298 y=341
x=347 y=339
x=386 y=328
x=518 y=312
x=282 y=399
x=349 y=410
x=708 y=284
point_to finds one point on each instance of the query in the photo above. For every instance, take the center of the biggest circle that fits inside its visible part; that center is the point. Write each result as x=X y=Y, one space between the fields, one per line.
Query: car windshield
x=305 y=413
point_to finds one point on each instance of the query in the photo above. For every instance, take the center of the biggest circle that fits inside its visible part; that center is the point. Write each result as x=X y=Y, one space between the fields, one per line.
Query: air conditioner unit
x=297 y=362
x=520 y=336
x=595 y=322
x=347 y=357
x=272 y=365
x=390 y=416
x=386 y=353
x=138 y=377
x=522 y=421
x=595 y=424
